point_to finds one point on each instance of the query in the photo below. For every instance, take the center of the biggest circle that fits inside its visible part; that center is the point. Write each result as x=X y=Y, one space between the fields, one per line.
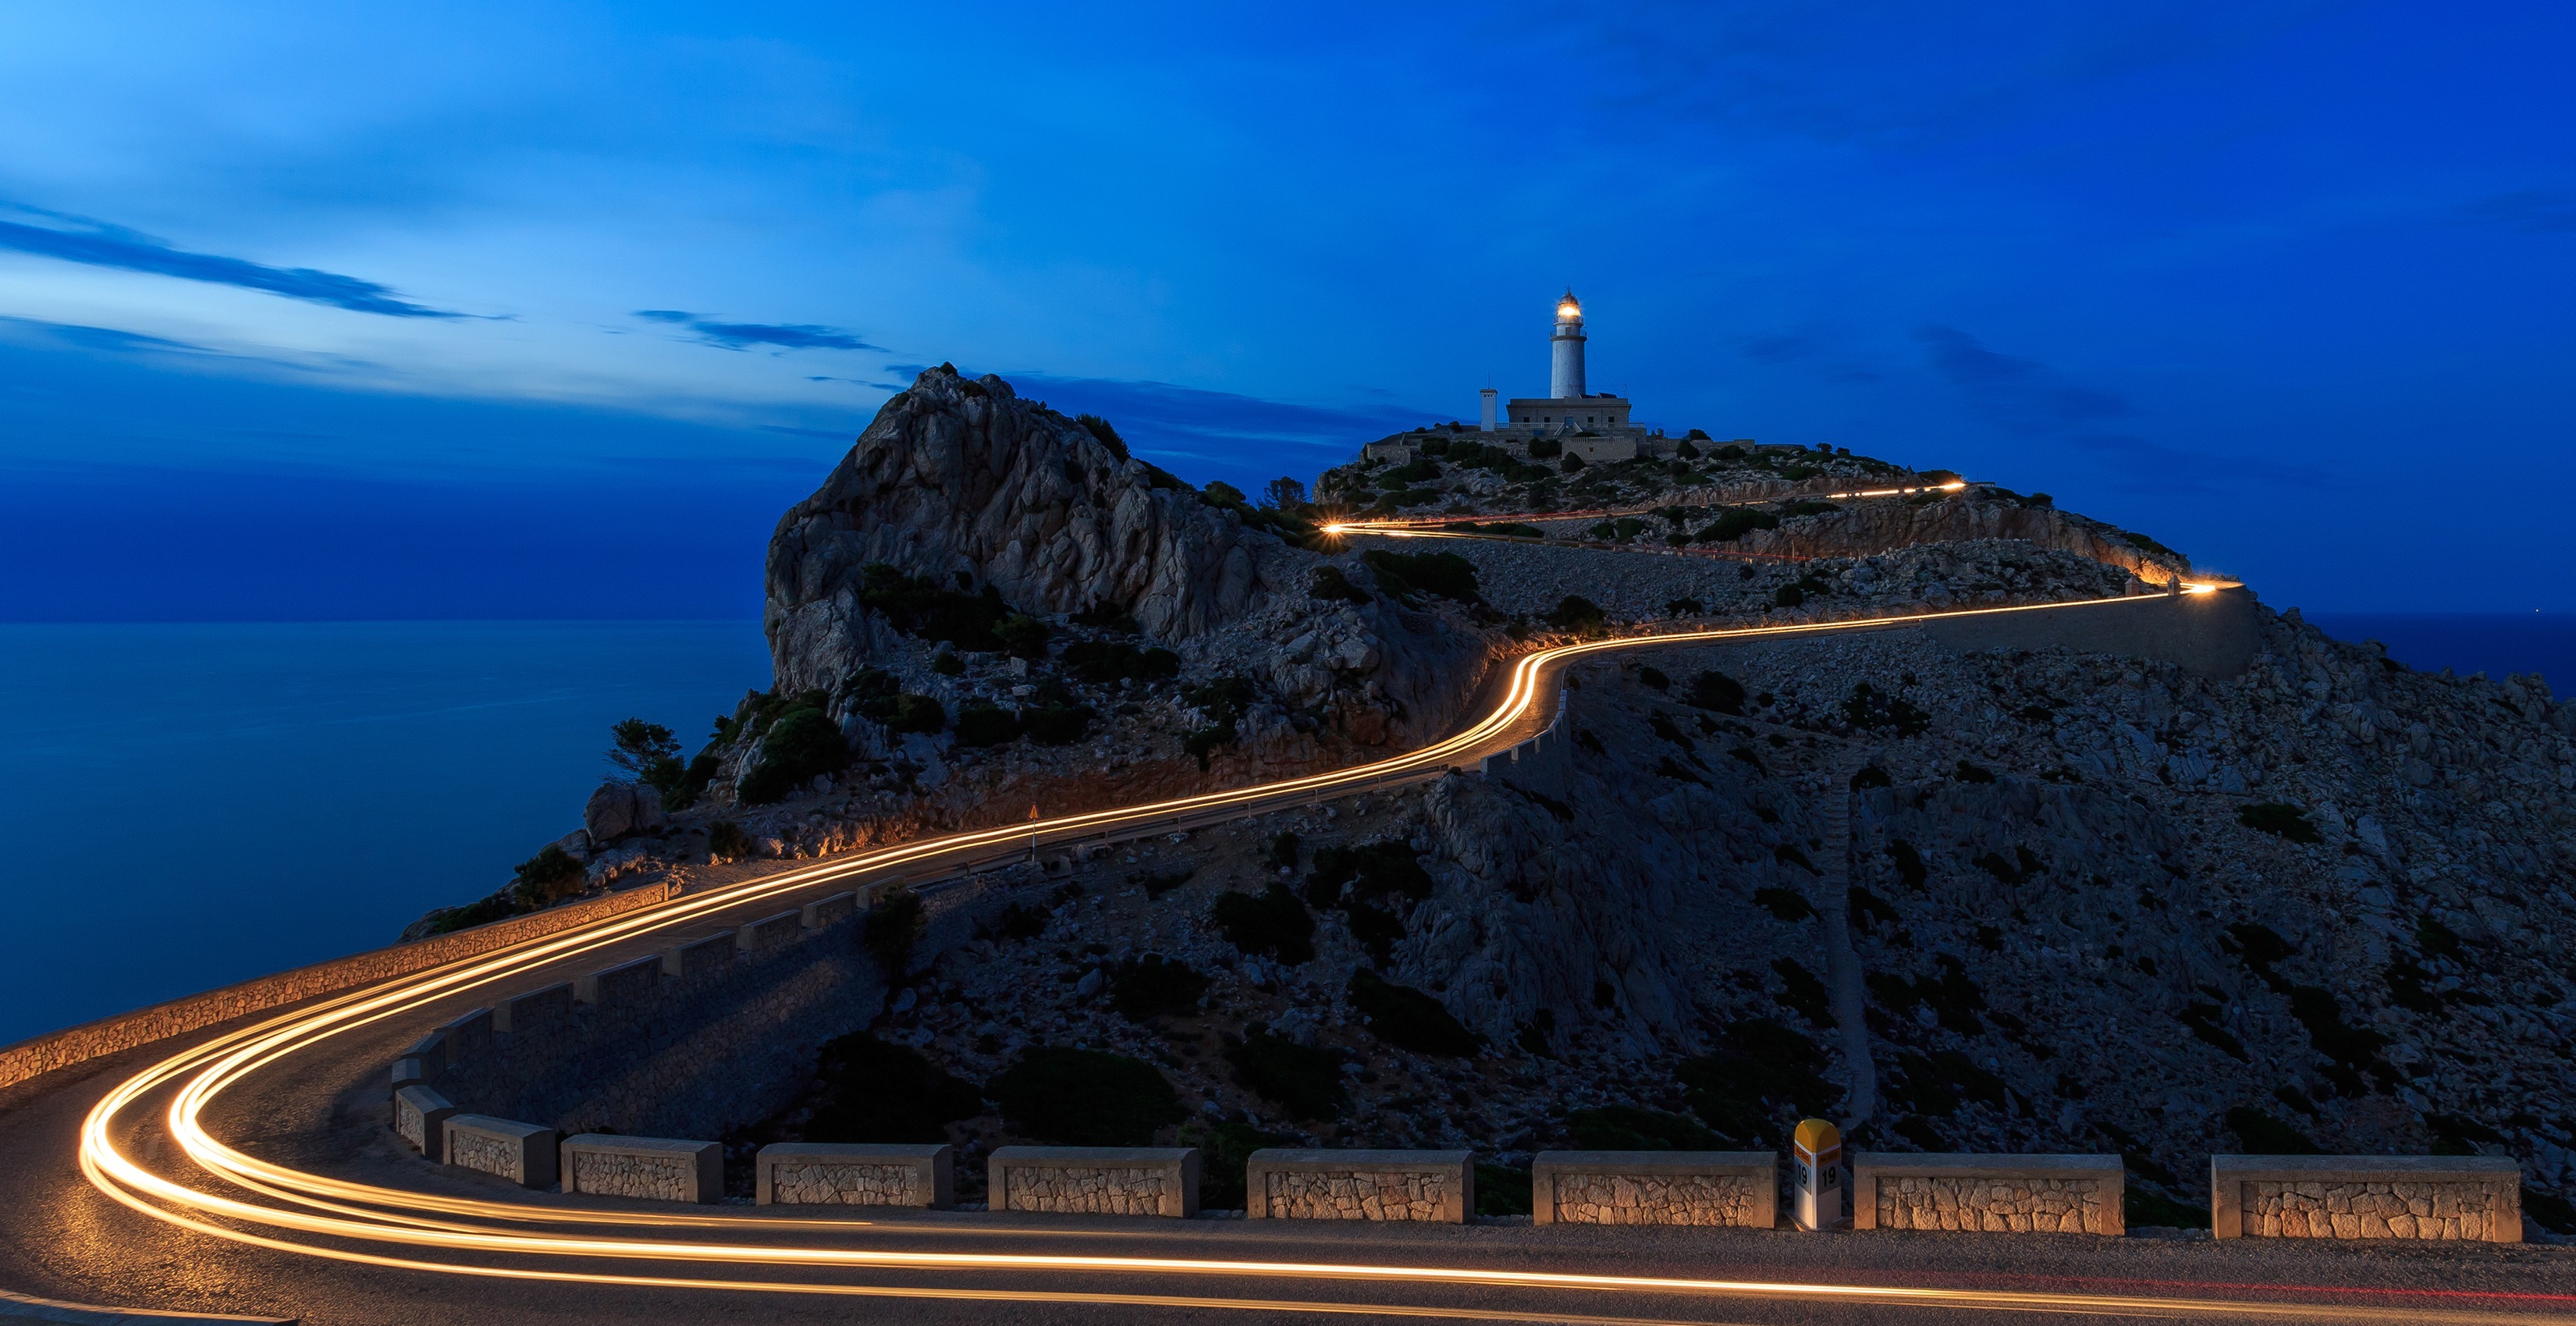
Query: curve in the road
x=308 y=1214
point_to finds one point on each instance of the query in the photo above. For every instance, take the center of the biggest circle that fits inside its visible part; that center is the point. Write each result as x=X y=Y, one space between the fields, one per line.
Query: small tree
x=1284 y=495
x=645 y=753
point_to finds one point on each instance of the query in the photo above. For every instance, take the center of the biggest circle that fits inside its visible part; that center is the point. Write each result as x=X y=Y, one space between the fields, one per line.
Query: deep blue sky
x=543 y=310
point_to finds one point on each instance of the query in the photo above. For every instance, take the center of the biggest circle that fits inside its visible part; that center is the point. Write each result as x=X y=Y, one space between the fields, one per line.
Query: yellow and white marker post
x=1816 y=1157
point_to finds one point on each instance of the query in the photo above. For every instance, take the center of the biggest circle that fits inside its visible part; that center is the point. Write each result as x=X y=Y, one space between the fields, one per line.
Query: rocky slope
x=1970 y=899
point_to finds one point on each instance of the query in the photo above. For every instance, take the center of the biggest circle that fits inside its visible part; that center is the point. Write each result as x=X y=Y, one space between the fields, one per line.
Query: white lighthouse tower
x=1565 y=367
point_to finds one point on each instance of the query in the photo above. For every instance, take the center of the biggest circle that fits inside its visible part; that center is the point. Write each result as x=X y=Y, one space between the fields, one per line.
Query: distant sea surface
x=187 y=805
x=2496 y=644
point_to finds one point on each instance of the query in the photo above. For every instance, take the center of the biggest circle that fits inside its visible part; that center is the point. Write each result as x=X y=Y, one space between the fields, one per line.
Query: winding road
x=247 y=1169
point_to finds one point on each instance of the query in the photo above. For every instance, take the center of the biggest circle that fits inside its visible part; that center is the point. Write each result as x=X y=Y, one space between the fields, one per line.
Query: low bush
x=1282 y=851
x=1107 y=436
x=550 y=876
x=2262 y=1135
x=1057 y=724
x=1577 y=614
x=1271 y=921
x=1873 y=709
x=727 y=841
x=1023 y=636
x=1222 y=700
x=1101 y=662
x=1155 y=986
x=1016 y=922
x=2279 y=820
x=984 y=725
x=1545 y=448
x=889 y=930
x=1784 y=904
x=1757 y=1069
x=1409 y=1019
x=1410 y=575
x=947 y=664
x=1386 y=866
x=919 y=606
x=1502 y=1190
x=1158 y=883
x=1331 y=585
x=870 y=1091
x=1085 y=1098
x=1632 y=1128
x=1734 y=523
x=801 y=744
x=1788 y=596
x=1305 y=1082
x=1717 y=691
x=1224 y=1150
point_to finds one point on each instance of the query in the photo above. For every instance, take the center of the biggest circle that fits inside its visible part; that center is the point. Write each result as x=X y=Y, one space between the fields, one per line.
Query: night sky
x=548 y=311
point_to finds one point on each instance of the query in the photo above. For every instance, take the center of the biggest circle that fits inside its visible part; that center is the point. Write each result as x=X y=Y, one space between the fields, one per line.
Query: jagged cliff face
x=961 y=476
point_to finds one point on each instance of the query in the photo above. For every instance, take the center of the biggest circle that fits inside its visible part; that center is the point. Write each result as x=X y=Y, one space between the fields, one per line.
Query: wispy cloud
x=99 y=244
x=2022 y=395
x=744 y=335
x=1217 y=426
x=2525 y=209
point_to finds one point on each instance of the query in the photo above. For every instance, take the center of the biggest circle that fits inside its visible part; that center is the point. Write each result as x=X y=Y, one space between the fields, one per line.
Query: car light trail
x=427 y=1224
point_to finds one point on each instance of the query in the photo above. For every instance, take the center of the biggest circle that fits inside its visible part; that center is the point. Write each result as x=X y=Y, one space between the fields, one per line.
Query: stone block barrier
x=143 y=1026
x=769 y=931
x=627 y=983
x=696 y=957
x=411 y=1071
x=523 y=1153
x=1727 y=1189
x=1993 y=1194
x=1297 y=1184
x=534 y=1010
x=1095 y=1180
x=824 y=912
x=420 y=1118
x=663 y=1169
x=467 y=1035
x=856 y=1174
x=2468 y=1199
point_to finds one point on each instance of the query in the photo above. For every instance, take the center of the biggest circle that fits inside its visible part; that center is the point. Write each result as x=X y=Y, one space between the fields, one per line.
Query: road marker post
x=1816 y=1175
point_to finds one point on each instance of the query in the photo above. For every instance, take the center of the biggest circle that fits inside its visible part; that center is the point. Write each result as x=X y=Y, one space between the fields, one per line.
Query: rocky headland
x=1964 y=898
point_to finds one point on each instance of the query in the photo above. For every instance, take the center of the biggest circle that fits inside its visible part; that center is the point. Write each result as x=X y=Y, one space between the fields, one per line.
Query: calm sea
x=186 y=805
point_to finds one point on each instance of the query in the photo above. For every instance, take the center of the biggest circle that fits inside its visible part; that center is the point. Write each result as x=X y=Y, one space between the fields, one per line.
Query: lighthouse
x=1565 y=366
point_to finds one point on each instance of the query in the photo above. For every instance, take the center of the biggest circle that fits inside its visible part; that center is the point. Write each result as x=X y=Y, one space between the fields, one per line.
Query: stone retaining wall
x=1992 y=1194
x=661 y=1169
x=520 y=1152
x=1296 y=1184
x=1095 y=1180
x=1734 y=1189
x=856 y=1174
x=143 y=1026
x=2474 y=1199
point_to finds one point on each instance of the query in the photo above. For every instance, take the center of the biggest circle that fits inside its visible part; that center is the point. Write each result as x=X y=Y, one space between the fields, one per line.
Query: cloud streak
x=744 y=335
x=100 y=244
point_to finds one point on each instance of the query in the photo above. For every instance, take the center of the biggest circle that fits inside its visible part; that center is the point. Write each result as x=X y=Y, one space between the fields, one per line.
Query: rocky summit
x=1964 y=893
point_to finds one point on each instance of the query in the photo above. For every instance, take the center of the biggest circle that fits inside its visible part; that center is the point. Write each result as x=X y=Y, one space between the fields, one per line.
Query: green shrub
x=1808 y=508
x=645 y=752
x=947 y=664
x=1757 y=1069
x=500 y=906
x=1571 y=464
x=1736 y=522
x=1376 y=929
x=1784 y=904
x=726 y=839
x=1057 y=724
x=1577 y=614
x=801 y=744
x=921 y=607
x=891 y=927
x=1909 y=863
x=2263 y=1135
x=1155 y=986
x=1016 y=922
x=1631 y=1128
x=1803 y=993
x=548 y=877
x=2144 y=544
x=1545 y=448
x=1282 y=851
x=1500 y=1189
x=1222 y=700
x=1409 y=1019
x=1974 y=773
x=1023 y=636
x=2279 y=820
x=1085 y=1098
x=1409 y=575
x=1716 y=691
x=1305 y=1082
x=1271 y=921
x=917 y=713
x=1108 y=437
x=1386 y=866
x=1871 y=708
x=1331 y=585
x=870 y=1091
x=2145 y=1208
x=1101 y=662
x=1224 y=1152
x=984 y=725
x=1788 y=596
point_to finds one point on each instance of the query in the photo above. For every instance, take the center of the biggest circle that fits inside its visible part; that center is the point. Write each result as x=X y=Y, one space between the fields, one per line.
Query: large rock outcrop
x=959 y=475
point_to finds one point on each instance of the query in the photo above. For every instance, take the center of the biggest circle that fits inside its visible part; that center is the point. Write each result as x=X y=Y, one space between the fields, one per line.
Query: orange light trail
x=428 y=1225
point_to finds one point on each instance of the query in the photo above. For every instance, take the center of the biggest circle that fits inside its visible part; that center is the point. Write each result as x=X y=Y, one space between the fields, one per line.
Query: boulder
x=619 y=810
